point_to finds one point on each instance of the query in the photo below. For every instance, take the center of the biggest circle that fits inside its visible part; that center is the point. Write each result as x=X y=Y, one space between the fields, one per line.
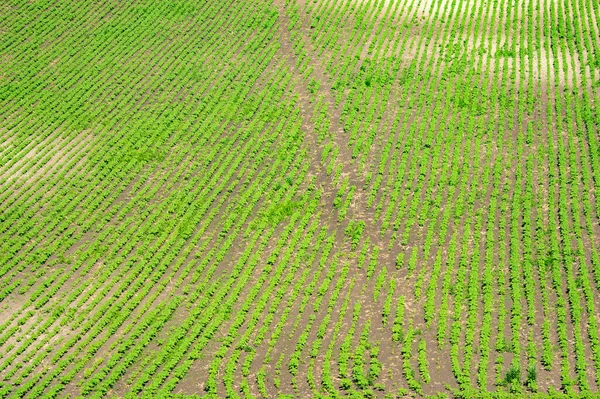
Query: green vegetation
x=295 y=199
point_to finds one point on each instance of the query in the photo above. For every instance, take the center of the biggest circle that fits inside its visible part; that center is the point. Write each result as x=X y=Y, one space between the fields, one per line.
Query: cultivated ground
x=311 y=198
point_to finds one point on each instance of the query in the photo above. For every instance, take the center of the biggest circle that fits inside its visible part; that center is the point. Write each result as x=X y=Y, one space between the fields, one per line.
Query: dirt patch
x=42 y=157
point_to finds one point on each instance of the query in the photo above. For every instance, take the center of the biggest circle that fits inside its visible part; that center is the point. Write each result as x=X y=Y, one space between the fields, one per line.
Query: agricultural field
x=300 y=199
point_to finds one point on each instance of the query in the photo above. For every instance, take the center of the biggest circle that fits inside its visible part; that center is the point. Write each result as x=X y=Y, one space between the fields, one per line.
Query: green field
x=299 y=198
